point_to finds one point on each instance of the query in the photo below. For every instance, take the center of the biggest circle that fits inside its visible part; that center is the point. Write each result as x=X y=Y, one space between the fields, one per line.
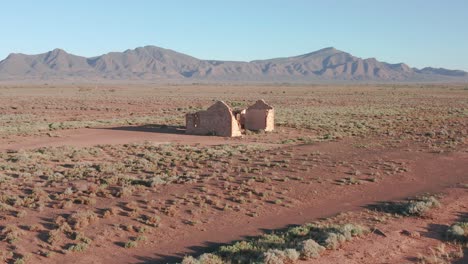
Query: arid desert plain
x=351 y=174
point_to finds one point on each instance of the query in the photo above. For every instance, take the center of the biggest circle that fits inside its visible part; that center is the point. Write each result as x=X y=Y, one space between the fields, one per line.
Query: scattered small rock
x=413 y=234
x=378 y=232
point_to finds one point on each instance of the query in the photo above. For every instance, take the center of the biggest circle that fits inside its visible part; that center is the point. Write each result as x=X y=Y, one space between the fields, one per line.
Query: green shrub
x=240 y=251
x=271 y=240
x=298 y=231
x=131 y=244
x=80 y=247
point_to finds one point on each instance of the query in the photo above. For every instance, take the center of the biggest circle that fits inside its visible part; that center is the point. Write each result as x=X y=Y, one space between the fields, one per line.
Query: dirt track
x=88 y=137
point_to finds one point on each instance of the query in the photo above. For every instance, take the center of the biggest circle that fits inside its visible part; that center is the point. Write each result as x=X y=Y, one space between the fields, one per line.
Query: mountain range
x=155 y=64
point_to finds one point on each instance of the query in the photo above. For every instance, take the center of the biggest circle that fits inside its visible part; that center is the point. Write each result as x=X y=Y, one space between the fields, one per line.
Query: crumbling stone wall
x=220 y=120
x=217 y=120
x=240 y=117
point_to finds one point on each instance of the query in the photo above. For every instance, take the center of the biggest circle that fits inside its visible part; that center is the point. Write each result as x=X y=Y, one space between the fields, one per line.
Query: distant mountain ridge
x=151 y=63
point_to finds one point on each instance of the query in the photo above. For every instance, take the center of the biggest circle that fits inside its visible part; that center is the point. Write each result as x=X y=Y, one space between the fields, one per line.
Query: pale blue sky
x=418 y=32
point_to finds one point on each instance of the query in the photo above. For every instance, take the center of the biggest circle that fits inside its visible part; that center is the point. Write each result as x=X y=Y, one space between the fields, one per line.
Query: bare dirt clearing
x=99 y=174
x=88 y=137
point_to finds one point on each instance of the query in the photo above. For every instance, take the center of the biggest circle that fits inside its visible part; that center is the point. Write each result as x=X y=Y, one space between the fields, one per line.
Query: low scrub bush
x=310 y=249
x=79 y=247
x=11 y=234
x=441 y=255
x=414 y=207
x=307 y=241
x=82 y=219
x=206 y=258
x=276 y=256
x=458 y=232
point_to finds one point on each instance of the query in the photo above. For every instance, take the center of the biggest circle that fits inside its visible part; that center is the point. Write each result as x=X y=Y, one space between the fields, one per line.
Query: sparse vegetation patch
x=306 y=242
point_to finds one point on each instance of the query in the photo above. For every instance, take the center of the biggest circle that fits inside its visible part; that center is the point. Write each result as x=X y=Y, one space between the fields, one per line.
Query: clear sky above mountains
x=420 y=33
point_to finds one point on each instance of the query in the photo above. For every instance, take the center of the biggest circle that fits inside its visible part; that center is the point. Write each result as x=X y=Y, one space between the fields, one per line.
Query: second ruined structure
x=260 y=116
x=220 y=120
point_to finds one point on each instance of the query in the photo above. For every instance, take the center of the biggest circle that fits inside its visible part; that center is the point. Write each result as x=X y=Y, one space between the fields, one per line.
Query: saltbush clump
x=80 y=247
x=458 y=232
x=310 y=249
x=414 y=207
x=285 y=247
x=82 y=219
x=189 y=260
x=206 y=258
x=333 y=235
x=421 y=206
x=276 y=256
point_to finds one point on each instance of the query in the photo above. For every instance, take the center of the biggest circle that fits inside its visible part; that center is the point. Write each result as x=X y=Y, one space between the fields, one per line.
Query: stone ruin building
x=260 y=116
x=217 y=120
x=220 y=120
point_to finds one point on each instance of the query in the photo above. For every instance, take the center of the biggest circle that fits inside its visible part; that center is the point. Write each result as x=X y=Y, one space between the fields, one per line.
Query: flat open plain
x=105 y=173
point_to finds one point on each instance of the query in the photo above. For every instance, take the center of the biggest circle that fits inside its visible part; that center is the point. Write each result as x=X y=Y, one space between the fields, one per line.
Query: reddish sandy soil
x=88 y=137
x=405 y=239
x=312 y=184
x=426 y=173
x=314 y=202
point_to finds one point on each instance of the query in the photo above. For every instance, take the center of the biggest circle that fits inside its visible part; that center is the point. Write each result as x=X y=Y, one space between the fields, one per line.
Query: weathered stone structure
x=240 y=117
x=217 y=120
x=260 y=116
x=220 y=120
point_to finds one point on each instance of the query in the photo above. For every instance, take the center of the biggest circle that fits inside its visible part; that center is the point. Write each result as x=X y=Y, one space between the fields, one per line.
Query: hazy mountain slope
x=441 y=71
x=55 y=63
x=145 y=62
x=157 y=64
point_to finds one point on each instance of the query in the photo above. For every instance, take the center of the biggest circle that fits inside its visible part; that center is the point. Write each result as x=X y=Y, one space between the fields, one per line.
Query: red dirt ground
x=426 y=173
x=88 y=137
x=405 y=238
x=392 y=159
